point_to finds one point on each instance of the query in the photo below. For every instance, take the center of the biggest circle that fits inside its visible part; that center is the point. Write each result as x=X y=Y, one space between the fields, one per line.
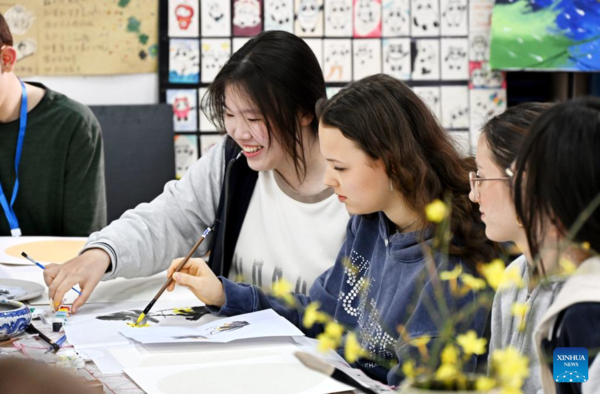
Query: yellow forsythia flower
x=353 y=351
x=283 y=289
x=420 y=341
x=450 y=275
x=421 y=344
x=567 y=266
x=311 y=314
x=510 y=367
x=449 y=355
x=435 y=211
x=484 y=383
x=334 y=330
x=446 y=372
x=510 y=390
x=471 y=344
x=408 y=369
x=500 y=278
x=520 y=310
x=472 y=282
x=326 y=343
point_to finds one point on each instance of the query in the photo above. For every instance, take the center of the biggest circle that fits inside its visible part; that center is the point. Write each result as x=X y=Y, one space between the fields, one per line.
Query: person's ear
x=8 y=58
x=305 y=119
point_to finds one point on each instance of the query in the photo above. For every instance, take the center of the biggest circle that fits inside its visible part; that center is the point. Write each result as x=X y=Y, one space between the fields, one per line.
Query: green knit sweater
x=61 y=175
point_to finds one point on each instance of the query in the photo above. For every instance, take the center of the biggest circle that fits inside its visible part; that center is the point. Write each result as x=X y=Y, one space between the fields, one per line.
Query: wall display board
x=438 y=47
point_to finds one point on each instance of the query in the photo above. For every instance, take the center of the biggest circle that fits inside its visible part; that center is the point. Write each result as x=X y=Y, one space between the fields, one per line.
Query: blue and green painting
x=546 y=34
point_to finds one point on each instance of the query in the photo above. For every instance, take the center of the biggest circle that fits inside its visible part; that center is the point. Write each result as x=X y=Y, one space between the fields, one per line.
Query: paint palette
x=19 y=290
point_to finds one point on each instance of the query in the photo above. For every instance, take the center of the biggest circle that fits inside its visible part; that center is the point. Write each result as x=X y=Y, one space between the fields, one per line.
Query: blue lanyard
x=8 y=210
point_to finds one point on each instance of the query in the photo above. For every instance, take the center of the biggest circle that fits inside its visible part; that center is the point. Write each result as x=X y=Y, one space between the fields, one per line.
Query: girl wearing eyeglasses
x=498 y=145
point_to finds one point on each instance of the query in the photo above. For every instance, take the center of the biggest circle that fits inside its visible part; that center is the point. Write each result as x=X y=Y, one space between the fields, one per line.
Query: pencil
x=179 y=267
x=42 y=267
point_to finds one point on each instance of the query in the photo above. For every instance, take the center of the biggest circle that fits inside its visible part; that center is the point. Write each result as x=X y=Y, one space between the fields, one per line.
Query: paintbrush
x=316 y=364
x=43 y=267
x=208 y=230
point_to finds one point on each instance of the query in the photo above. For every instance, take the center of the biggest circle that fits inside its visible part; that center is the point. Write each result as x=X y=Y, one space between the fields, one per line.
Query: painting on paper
x=549 y=34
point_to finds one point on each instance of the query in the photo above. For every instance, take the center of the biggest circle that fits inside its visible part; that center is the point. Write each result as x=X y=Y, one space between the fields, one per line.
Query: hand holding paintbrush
x=169 y=282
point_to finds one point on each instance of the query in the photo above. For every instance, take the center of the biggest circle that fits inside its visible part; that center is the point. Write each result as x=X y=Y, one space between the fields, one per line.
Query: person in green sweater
x=51 y=160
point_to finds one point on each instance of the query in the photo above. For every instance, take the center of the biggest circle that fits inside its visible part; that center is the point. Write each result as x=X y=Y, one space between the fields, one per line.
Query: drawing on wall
x=216 y=18
x=184 y=61
x=431 y=96
x=454 y=18
x=366 y=58
x=396 y=18
x=430 y=42
x=11 y=292
x=337 y=62
x=396 y=57
x=549 y=35
x=426 y=59
x=20 y=20
x=425 y=18
x=455 y=107
x=487 y=103
x=247 y=17
x=186 y=153
x=367 y=18
x=184 y=18
x=215 y=53
x=338 y=18
x=193 y=313
x=479 y=47
x=481 y=76
x=309 y=18
x=455 y=59
x=184 y=109
x=279 y=15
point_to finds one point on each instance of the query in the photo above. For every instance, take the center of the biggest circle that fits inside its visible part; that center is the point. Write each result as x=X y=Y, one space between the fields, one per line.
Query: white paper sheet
x=137 y=355
x=261 y=324
x=276 y=374
x=90 y=328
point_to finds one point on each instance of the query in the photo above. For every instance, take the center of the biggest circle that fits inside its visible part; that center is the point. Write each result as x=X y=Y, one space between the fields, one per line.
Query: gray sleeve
x=144 y=240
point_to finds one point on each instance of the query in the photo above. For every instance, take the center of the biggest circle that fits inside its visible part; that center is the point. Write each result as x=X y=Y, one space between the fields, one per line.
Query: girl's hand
x=199 y=278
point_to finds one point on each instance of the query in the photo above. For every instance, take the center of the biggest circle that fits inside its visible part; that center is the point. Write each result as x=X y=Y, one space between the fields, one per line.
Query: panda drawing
x=425 y=17
x=308 y=15
x=279 y=12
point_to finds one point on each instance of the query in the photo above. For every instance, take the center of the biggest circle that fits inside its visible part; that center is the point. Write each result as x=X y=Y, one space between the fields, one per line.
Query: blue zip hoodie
x=379 y=281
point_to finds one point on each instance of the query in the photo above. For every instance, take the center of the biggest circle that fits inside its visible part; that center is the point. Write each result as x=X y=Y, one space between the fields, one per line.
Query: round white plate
x=32 y=289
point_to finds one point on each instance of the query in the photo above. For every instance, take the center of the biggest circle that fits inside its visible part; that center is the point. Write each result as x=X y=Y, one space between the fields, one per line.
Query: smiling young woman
x=263 y=182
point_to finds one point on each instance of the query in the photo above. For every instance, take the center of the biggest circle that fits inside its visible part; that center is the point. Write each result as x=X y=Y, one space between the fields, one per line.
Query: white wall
x=105 y=90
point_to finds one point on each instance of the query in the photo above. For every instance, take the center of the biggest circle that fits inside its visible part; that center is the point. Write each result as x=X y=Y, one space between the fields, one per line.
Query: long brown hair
x=280 y=74
x=388 y=121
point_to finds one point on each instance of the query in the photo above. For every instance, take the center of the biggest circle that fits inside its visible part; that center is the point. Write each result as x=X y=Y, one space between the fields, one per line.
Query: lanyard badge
x=8 y=209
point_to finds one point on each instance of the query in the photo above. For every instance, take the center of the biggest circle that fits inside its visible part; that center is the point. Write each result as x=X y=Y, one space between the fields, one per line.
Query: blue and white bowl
x=14 y=318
